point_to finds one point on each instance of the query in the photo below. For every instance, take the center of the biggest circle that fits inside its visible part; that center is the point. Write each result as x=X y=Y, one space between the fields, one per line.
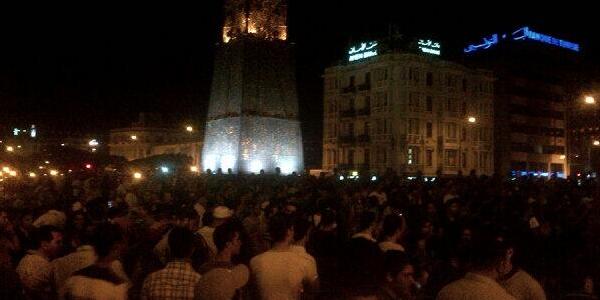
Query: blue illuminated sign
x=523 y=33
x=365 y=50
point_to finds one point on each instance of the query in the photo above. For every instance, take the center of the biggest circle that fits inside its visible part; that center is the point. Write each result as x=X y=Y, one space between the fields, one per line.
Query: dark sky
x=94 y=68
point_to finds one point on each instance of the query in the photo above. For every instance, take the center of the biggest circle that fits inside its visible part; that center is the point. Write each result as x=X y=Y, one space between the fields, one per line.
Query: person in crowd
x=518 y=282
x=221 y=278
x=281 y=273
x=398 y=280
x=393 y=230
x=178 y=279
x=99 y=281
x=220 y=215
x=490 y=261
x=83 y=257
x=35 y=269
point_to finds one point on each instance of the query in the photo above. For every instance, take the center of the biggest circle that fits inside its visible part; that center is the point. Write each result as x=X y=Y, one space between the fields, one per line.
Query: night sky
x=89 y=69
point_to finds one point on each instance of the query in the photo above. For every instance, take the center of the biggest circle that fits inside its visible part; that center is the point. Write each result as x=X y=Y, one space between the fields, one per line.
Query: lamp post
x=590 y=100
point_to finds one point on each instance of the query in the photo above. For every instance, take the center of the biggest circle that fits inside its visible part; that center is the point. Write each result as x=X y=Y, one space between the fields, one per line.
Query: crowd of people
x=109 y=236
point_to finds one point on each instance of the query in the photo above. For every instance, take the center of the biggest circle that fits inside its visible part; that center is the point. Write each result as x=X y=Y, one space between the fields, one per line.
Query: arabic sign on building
x=430 y=47
x=523 y=33
x=364 y=50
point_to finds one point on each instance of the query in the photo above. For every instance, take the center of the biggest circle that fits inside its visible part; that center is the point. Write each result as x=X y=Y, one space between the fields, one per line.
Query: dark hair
x=391 y=224
x=487 y=251
x=42 y=234
x=301 y=228
x=366 y=220
x=181 y=242
x=279 y=225
x=394 y=262
x=105 y=237
x=225 y=233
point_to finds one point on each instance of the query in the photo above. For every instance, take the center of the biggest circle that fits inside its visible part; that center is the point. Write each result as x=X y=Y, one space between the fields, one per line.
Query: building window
x=413 y=102
x=451 y=158
x=367 y=157
x=352 y=81
x=351 y=157
x=367 y=128
x=429 y=79
x=413 y=155
x=429 y=157
x=463 y=136
x=464 y=108
x=413 y=126
x=351 y=129
x=451 y=130
x=429 y=104
x=368 y=102
x=368 y=78
x=464 y=160
x=429 y=129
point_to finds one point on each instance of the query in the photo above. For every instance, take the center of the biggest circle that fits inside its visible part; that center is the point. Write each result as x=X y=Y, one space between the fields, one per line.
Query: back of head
x=367 y=219
x=394 y=262
x=105 y=237
x=391 y=224
x=42 y=234
x=181 y=242
x=225 y=233
x=487 y=252
x=301 y=228
x=279 y=225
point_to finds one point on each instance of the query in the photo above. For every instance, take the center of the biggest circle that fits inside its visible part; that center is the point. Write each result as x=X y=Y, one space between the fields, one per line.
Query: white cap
x=222 y=212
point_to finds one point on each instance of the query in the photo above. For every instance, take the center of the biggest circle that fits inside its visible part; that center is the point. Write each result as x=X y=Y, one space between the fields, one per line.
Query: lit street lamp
x=589 y=100
x=472 y=119
x=189 y=128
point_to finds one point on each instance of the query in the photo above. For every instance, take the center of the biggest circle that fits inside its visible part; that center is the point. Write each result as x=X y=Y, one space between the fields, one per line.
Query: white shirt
x=84 y=256
x=474 y=287
x=280 y=274
x=84 y=288
x=35 y=272
x=524 y=287
x=387 y=245
x=207 y=233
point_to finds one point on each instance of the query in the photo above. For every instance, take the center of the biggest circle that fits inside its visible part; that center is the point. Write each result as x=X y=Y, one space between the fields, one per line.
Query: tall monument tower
x=252 y=122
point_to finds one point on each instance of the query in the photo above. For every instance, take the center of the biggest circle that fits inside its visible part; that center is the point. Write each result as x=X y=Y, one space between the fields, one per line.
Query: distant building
x=407 y=110
x=535 y=84
x=149 y=137
x=584 y=131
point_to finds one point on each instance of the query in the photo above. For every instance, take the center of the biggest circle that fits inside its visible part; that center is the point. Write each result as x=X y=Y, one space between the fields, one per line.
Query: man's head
x=187 y=218
x=368 y=221
x=393 y=226
x=398 y=271
x=107 y=241
x=181 y=245
x=281 y=228
x=48 y=240
x=301 y=229
x=492 y=255
x=227 y=238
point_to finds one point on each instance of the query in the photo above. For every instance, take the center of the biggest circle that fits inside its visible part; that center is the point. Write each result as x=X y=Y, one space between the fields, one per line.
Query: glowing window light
x=19 y=146
x=472 y=119
x=341 y=177
x=373 y=178
x=134 y=137
x=189 y=128
x=33 y=131
x=590 y=100
x=12 y=173
x=228 y=162
x=596 y=143
x=62 y=145
x=137 y=175
x=255 y=166
x=47 y=162
x=164 y=170
x=562 y=156
x=88 y=166
x=5 y=169
x=93 y=149
x=53 y=172
x=40 y=167
x=32 y=175
x=10 y=148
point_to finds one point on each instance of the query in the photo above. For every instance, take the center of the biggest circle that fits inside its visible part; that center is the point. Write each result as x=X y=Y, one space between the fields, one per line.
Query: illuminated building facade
x=407 y=111
x=252 y=122
x=149 y=137
x=532 y=92
x=584 y=130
